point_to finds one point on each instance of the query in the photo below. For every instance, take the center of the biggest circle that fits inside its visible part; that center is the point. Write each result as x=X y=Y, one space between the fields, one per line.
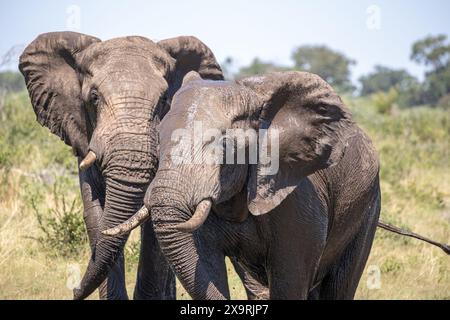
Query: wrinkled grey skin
x=310 y=227
x=108 y=97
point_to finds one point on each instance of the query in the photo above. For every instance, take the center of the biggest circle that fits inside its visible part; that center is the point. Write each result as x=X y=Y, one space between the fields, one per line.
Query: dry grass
x=414 y=147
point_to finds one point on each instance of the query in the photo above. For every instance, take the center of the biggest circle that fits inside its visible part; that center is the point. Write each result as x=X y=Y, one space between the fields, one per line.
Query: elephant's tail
x=403 y=232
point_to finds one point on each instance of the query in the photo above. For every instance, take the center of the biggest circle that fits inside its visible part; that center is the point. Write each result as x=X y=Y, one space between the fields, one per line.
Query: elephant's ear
x=311 y=123
x=52 y=78
x=190 y=54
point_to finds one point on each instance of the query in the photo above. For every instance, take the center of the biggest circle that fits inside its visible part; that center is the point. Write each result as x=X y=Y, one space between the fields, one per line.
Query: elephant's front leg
x=293 y=259
x=93 y=196
x=155 y=280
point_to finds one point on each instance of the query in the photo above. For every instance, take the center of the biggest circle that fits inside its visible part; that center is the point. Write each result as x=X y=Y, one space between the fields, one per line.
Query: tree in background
x=258 y=67
x=332 y=66
x=434 y=52
x=384 y=78
x=11 y=81
x=408 y=90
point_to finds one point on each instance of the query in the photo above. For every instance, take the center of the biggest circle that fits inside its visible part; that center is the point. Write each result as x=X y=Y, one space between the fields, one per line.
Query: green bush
x=62 y=226
x=132 y=252
x=11 y=81
x=391 y=265
x=444 y=102
x=22 y=136
x=384 y=102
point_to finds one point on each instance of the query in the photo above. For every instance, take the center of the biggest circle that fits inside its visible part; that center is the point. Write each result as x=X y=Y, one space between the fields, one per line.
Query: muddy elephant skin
x=302 y=232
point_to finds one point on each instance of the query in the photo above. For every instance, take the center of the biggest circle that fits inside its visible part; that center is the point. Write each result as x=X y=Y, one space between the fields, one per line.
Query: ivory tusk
x=137 y=219
x=197 y=219
x=88 y=161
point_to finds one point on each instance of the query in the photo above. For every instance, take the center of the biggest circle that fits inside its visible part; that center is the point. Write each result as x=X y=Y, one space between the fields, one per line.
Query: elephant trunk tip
x=78 y=294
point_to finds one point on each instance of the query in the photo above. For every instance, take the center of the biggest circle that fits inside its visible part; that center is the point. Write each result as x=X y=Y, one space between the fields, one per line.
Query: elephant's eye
x=322 y=110
x=94 y=97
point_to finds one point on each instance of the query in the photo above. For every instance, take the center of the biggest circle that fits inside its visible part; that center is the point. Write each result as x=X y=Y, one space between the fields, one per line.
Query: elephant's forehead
x=199 y=104
x=138 y=44
x=124 y=48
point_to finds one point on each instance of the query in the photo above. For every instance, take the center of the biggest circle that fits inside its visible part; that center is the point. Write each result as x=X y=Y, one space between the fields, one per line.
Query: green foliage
x=332 y=66
x=413 y=146
x=434 y=52
x=258 y=67
x=11 y=81
x=132 y=252
x=384 y=102
x=444 y=102
x=391 y=265
x=62 y=226
x=383 y=79
x=42 y=165
x=437 y=84
x=23 y=140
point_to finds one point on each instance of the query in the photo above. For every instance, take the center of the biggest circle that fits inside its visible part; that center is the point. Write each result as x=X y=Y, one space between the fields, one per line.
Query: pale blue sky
x=244 y=29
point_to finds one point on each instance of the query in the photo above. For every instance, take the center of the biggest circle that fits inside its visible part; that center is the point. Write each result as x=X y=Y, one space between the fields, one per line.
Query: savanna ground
x=42 y=238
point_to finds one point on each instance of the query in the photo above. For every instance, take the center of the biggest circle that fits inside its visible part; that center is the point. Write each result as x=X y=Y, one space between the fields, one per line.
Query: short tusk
x=88 y=161
x=197 y=219
x=137 y=219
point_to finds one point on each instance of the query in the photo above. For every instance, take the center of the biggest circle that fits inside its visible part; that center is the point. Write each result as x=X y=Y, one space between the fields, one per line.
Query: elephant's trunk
x=198 y=273
x=127 y=175
x=122 y=200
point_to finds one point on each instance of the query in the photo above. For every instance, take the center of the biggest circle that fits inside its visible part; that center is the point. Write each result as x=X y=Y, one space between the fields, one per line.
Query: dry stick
x=403 y=232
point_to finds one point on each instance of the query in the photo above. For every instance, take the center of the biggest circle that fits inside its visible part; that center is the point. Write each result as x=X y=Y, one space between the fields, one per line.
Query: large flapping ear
x=311 y=123
x=51 y=75
x=190 y=54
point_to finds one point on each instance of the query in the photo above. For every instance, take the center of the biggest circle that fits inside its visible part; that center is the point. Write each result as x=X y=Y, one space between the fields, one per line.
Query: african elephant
x=105 y=99
x=312 y=221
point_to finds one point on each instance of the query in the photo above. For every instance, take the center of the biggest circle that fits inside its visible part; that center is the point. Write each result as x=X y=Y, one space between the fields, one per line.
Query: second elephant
x=303 y=231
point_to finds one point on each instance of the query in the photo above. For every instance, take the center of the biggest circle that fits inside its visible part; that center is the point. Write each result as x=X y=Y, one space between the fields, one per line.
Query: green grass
x=37 y=170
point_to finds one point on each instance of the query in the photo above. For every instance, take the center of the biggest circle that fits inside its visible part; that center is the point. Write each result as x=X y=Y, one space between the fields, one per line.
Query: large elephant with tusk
x=106 y=99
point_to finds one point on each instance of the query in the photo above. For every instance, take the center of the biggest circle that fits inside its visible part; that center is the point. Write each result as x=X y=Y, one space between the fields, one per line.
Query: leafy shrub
x=63 y=228
x=444 y=102
x=11 y=81
x=391 y=265
x=384 y=102
x=21 y=135
x=132 y=252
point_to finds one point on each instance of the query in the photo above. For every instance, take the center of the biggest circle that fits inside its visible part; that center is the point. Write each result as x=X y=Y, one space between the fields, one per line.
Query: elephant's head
x=311 y=123
x=105 y=99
